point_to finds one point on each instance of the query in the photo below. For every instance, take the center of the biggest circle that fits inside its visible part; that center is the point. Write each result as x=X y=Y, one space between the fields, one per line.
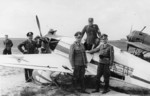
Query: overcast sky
x=114 y=17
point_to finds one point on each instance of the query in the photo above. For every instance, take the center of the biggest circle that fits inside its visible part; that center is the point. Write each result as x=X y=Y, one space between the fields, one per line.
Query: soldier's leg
x=4 y=51
x=75 y=77
x=30 y=74
x=8 y=51
x=82 y=79
x=100 y=70
x=87 y=46
x=106 y=78
x=26 y=74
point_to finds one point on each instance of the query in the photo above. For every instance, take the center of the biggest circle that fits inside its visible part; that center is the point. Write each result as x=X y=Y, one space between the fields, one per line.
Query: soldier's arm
x=71 y=56
x=11 y=43
x=94 y=50
x=83 y=31
x=111 y=55
x=4 y=42
x=86 y=61
x=20 y=46
x=98 y=32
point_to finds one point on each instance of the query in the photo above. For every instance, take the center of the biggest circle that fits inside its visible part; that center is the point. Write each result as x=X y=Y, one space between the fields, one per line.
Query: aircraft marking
x=19 y=59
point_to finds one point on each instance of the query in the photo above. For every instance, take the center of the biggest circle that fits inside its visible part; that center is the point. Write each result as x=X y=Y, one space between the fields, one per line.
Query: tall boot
x=97 y=87
x=74 y=82
x=106 y=88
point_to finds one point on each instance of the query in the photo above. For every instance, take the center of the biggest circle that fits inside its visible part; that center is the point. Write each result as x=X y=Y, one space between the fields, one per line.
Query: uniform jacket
x=30 y=46
x=8 y=44
x=77 y=55
x=91 y=31
x=107 y=51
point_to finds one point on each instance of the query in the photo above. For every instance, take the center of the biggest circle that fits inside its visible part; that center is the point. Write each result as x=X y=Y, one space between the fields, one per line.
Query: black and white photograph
x=74 y=48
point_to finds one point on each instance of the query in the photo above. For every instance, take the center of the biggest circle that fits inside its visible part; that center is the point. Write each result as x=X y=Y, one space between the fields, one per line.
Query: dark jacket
x=8 y=44
x=30 y=47
x=77 y=55
x=106 y=53
x=92 y=31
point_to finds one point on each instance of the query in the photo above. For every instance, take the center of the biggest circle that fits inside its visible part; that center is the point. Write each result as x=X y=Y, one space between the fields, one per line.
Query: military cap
x=29 y=33
x=77 y=33
x=52 y=31
x=37 y=37
x=90 y=19
x=104 y=36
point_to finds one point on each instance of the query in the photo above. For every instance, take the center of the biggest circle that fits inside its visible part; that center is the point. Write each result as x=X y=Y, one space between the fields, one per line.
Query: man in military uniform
x=78 y=61
x=92 y=31
x=106 y=55
x=8 y=45
x=30 y=47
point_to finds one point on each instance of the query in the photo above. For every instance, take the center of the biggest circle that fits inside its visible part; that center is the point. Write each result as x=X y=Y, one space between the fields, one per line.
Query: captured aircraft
x=140 y=41
x=127 y=67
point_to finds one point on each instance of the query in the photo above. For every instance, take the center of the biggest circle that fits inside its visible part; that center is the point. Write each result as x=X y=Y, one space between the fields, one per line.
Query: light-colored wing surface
x=52 y=62
x=139 y=45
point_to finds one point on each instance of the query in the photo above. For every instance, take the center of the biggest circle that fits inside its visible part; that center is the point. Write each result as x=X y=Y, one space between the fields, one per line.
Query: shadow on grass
x=28 y=91
x=132 y=91
x=67 y=89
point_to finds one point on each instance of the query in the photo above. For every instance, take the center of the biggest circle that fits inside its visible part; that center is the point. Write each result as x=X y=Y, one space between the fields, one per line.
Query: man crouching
x=78 y=61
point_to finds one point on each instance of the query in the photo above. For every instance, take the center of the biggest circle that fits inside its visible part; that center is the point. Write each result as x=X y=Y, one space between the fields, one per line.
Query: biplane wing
x=138 y=45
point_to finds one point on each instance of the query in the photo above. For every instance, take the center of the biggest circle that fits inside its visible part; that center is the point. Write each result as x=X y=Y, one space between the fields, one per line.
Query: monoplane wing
x=52 y=62
x=138 y=45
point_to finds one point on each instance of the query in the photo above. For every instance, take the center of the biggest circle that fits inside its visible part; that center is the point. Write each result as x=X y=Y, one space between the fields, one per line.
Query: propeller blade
x=38 y=23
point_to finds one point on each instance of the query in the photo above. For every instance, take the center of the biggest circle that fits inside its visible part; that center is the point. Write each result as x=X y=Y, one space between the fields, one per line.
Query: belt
x=107 y=57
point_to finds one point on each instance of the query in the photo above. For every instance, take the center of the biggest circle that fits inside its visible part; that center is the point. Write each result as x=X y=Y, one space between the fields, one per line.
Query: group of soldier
x=29 y=46
x=95 y=42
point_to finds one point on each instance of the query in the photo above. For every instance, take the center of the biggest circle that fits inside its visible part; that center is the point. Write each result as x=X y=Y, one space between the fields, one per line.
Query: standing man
x=93 y=32
x=106 y=55
x=8 y=45
x=78 y=61
x=30 y=47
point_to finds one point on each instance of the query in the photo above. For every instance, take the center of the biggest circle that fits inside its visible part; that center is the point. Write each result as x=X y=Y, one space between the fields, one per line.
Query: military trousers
x=6 y=51
x=103 y=70
x=28 y=75
x=87 y=46
x=78 y=76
